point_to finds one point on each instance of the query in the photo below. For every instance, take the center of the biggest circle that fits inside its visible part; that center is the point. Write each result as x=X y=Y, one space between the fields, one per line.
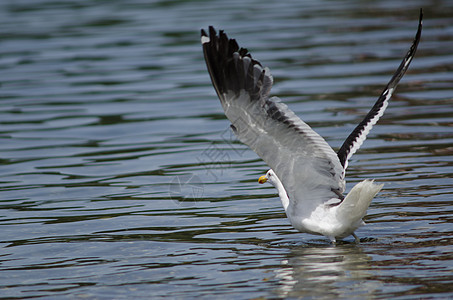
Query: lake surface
x=120 y=177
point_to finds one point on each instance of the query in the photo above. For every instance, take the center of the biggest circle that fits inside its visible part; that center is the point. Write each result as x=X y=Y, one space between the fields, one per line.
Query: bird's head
x=270 y=175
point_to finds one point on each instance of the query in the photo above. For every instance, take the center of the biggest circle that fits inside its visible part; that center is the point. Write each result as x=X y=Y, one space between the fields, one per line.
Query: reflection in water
x=325 y=271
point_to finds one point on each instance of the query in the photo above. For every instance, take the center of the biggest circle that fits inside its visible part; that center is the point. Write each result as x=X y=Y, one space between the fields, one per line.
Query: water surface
x=119 y=176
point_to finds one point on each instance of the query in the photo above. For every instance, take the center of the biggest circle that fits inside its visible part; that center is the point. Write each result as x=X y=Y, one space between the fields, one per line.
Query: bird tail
x=356 y=203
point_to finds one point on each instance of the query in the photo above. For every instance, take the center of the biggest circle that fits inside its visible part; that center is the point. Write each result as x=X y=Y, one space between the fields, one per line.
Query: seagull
x=307 y=173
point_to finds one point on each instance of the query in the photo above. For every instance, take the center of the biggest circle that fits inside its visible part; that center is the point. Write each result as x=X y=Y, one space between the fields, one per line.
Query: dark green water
x=120 y=178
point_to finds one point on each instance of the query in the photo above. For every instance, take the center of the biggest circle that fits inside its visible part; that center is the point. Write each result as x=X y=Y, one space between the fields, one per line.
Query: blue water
x=120 y=177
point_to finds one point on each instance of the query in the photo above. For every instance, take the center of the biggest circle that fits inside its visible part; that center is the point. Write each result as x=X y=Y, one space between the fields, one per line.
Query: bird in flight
x=307 y=173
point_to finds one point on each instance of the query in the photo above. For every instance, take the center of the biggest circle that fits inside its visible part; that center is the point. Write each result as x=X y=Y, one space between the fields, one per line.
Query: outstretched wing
x=358 y=135
x=307 y=166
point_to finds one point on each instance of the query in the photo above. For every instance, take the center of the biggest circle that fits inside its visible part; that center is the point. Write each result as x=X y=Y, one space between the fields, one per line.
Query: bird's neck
x=281 y=192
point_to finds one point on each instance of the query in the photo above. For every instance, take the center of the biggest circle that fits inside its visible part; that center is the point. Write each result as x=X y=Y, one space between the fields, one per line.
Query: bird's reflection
x=325 y=272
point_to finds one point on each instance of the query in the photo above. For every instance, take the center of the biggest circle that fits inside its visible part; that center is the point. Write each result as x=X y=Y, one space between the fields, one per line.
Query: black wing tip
x=233 y=45
x=420 y=25
x=344 y=152
x=232 y=68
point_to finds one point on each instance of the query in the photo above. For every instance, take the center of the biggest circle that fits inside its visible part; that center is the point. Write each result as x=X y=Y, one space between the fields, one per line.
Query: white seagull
x=307 y=173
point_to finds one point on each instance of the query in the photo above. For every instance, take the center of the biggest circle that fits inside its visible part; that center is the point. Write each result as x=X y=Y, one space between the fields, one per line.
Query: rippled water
x=119 y=176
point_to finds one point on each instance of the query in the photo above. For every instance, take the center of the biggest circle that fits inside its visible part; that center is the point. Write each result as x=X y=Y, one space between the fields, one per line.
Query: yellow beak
x=262 y=179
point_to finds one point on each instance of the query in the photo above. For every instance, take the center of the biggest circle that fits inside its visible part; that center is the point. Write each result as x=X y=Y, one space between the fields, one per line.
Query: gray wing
x=308 y=167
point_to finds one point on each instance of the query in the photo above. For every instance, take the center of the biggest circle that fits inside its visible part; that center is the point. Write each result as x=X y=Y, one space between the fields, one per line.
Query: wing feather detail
x=308 y=167
x=359 y=134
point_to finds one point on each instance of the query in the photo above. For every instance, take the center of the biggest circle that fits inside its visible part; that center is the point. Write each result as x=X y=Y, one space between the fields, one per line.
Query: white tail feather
x=356 y=203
